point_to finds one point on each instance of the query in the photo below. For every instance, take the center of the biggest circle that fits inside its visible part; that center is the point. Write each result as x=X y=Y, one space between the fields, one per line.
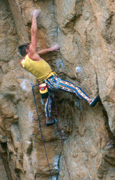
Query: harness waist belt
x=51 y=74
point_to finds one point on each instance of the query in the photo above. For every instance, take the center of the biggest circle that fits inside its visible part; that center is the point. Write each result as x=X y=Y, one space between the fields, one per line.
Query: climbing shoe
x=94 y=102
x=51 y=123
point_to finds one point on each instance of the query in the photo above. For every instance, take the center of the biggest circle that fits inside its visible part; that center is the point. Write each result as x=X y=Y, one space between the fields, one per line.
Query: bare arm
x=44 y=51
x=33 y=45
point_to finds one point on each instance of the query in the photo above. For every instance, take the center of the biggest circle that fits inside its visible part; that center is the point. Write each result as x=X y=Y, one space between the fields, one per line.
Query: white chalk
x=78 y=69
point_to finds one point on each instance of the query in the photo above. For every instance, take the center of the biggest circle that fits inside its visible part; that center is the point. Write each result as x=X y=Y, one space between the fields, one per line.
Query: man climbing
x=33 y=63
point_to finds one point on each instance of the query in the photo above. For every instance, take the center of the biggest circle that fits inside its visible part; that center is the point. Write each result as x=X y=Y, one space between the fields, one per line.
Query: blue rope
x=32 y=87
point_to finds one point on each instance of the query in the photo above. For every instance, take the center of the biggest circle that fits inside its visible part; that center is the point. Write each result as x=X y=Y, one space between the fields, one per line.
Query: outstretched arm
x=33 y=45
x=44 y=51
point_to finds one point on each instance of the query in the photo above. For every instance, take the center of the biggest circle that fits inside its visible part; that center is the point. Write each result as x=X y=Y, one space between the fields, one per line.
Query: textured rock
x=85 y=33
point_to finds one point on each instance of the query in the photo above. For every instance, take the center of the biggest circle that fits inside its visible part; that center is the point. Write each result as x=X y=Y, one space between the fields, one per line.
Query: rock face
x=85 y=32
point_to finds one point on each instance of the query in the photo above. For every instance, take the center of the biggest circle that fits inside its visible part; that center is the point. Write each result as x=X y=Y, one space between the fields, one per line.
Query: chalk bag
x=43 y=91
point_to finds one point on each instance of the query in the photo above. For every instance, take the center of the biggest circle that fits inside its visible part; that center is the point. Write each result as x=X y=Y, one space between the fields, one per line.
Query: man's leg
x=70 y=87
x=67 y=86
x=48 y=110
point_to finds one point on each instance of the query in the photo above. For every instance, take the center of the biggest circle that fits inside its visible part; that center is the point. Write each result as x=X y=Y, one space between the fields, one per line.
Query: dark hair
x=22 y=49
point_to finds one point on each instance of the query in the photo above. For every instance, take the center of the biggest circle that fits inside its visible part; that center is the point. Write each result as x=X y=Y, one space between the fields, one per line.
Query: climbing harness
x=32 y=87
x=57 y=83
x=43 y=86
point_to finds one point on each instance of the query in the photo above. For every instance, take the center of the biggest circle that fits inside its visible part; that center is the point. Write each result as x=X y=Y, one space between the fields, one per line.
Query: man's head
x=23 y=49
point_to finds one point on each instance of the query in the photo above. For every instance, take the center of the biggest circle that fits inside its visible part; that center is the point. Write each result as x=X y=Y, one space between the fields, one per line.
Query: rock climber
x=34 y=64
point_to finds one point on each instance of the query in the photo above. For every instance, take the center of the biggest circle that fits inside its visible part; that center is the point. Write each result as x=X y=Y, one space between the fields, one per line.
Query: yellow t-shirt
x=40 y=69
